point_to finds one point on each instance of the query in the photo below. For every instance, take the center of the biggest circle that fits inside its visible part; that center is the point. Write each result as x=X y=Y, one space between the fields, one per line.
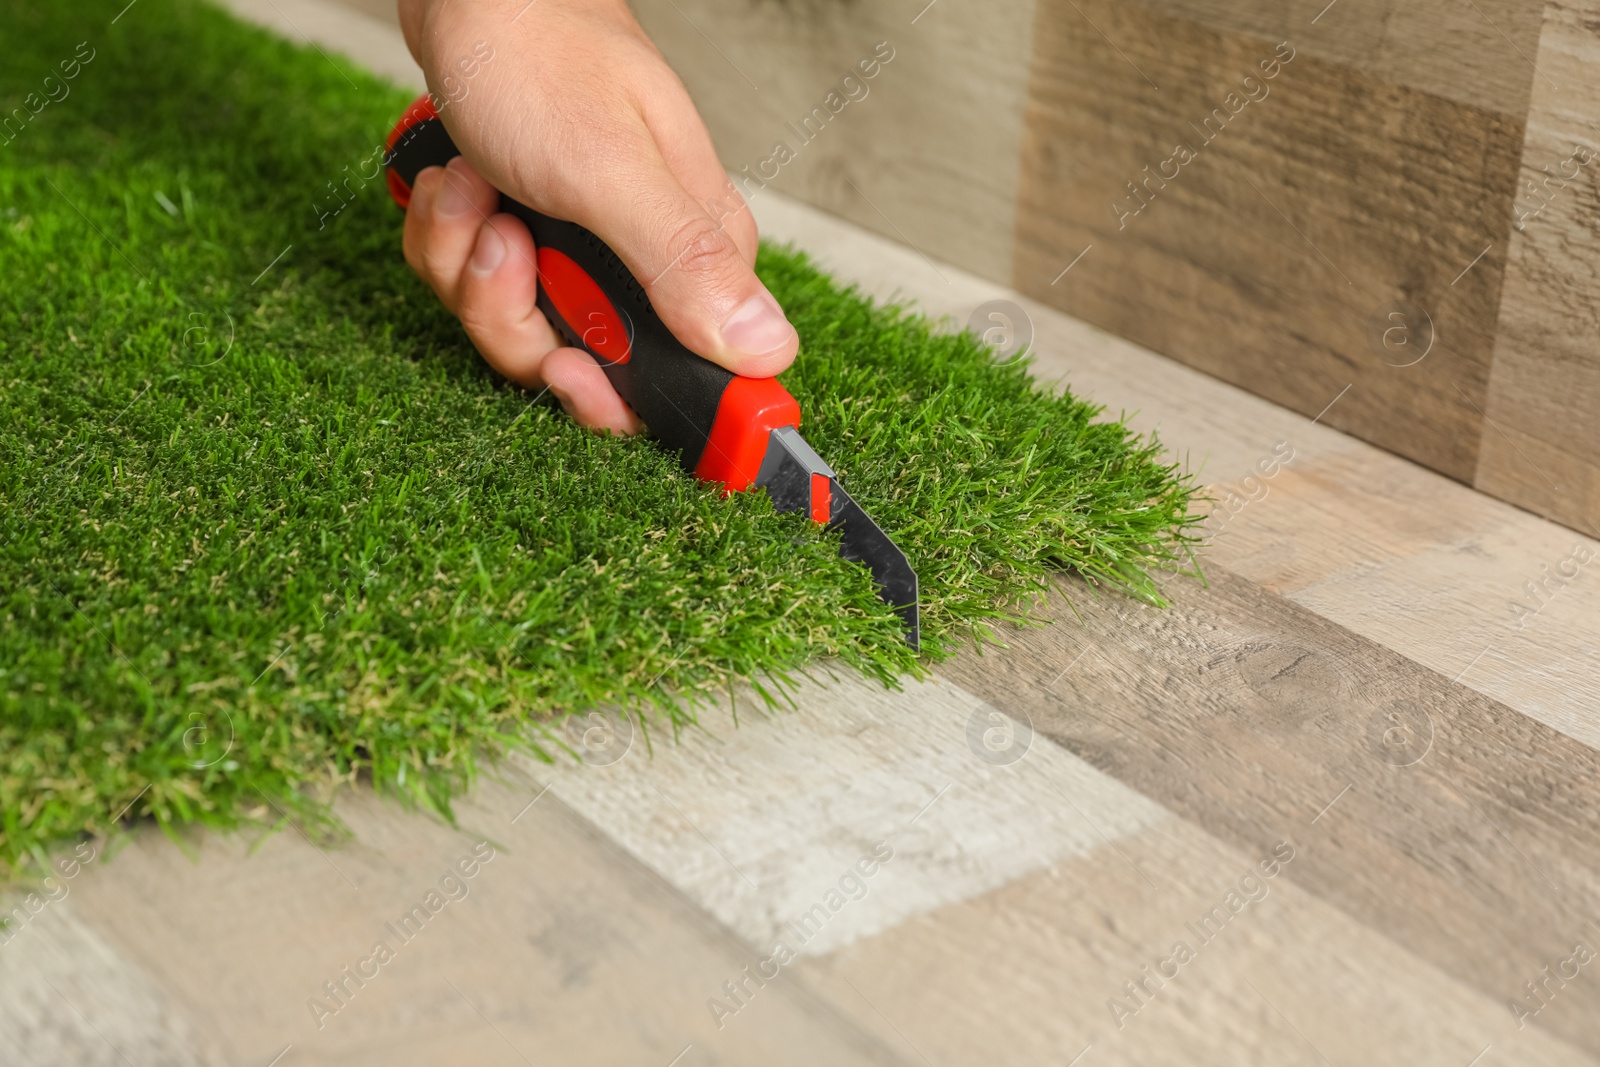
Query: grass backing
x=267 y=522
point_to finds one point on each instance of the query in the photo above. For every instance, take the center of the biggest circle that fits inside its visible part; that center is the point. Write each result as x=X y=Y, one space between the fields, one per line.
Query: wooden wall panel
x=1477 y=53
x=1543 y=447
x=928 y=157
x=1267 y=256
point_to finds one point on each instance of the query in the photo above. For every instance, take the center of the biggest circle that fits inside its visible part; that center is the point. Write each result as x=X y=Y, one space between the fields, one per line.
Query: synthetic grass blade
x=266 y=521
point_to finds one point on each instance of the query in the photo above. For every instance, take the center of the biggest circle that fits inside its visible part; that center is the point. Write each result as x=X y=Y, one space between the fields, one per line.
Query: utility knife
x=727 y=429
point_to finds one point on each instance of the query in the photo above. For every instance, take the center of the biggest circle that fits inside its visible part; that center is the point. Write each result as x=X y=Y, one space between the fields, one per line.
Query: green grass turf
x=345 y=548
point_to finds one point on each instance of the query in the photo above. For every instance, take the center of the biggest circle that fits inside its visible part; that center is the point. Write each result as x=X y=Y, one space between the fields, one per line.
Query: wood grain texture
x=1387 y=549
x=1543 y=451
x=957 y=79
x=1478 y=54
x=756 y=823
x=561 y=949
x=1470 y=834
x=1265 y=259
x=1430 y=569
x=1029 y=974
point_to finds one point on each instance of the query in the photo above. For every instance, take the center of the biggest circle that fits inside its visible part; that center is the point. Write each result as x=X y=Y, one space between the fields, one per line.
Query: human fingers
x=448 y=208
x=498 y=307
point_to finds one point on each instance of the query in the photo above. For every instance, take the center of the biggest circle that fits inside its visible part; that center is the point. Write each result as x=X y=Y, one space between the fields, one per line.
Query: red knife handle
x=717 y=422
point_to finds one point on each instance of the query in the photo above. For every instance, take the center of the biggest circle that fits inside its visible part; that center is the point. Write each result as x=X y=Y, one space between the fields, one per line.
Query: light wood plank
x=67 y=997
x=755 y=824
x=1441 y=574
x=354 y=31
x=1543 y=451
x=1028 y=974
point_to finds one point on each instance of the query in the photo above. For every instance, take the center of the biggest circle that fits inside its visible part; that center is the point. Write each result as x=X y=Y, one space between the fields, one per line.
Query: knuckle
x=702 y=247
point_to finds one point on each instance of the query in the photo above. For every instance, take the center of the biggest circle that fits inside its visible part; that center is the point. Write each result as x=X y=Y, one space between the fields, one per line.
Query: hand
x=578 y=116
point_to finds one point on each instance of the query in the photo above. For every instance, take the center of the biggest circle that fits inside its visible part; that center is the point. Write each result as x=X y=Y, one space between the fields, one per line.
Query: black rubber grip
x=675 y=392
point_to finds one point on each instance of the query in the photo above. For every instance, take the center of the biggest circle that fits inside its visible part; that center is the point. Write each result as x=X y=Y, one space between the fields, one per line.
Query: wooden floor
x=1339 y=805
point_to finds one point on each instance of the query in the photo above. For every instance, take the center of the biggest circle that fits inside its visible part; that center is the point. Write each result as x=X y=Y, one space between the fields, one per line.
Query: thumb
x=690 y=267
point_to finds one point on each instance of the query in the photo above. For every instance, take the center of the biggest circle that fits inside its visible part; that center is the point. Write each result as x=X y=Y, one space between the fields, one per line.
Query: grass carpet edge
x=333 y=546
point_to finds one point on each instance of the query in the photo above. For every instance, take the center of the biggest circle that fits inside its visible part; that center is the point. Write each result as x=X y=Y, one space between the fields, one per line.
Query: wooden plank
x=557 y=949
x=1031 y=973
x=928 y=155
x=68 y=998
x=755 y=824
x=1470 y=834
x=1543 y=451
x=1466 y=586
x=1267 y=257
x=1478 y=54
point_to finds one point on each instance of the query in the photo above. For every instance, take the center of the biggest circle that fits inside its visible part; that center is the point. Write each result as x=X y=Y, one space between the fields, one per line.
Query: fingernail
x=757 y=326
x=452 y=201
x=489 y=251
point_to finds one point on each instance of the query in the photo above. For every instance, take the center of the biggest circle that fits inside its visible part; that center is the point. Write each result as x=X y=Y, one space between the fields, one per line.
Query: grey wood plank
x=1259 y=245
x=927 y=153
x=1465 y=832
x=69 y=999
x=559 y=948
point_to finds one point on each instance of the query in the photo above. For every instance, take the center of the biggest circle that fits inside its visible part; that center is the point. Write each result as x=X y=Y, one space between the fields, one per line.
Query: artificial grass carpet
x=267 y=521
